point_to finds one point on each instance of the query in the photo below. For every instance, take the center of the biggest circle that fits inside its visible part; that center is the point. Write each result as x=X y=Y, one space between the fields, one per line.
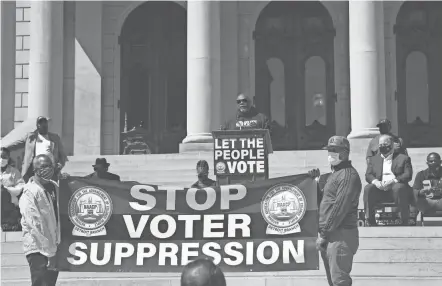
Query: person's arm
x=418 y=184
x=346 y=194
x=31 y=218
x=18 y=183
x=62 y=158
x=370 y=175
x=407 y=175
x=266 y=122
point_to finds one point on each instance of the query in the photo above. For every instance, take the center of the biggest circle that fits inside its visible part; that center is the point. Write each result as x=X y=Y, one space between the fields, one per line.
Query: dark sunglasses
x=241 y=101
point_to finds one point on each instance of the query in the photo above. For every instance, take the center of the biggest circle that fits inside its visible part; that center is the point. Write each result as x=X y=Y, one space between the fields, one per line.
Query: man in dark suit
x=384 y=126
x=388 y=174
x=101 y=168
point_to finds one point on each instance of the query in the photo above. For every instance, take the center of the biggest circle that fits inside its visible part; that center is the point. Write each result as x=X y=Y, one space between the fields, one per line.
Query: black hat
x=101 y=161
x=41 y=118
x=384 y=122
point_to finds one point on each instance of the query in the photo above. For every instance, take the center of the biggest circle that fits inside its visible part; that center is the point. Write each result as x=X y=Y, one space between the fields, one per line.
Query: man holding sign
x=338 y=213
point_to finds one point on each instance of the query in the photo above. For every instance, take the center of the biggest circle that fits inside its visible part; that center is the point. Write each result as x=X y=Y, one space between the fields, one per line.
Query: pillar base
x=360 y=139
x=195 y=147
x=363 y=133
x=198 y=138
x=201 y=142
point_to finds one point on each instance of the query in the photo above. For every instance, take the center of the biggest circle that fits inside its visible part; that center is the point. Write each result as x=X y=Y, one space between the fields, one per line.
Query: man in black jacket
x=101 y=171
x=338 y=213
x=247 y=116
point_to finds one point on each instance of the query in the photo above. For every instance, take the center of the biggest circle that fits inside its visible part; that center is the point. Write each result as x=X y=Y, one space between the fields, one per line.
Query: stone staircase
x=394 y=256
x=387 y=256
x=179 y=169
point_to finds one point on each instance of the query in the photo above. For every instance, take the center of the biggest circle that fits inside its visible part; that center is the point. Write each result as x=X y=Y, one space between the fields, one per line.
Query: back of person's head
x=202 y=272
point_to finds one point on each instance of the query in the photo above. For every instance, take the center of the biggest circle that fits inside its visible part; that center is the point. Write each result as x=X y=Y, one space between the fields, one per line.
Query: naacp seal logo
x=282 y=207
x=90 y=208
x=220 y=167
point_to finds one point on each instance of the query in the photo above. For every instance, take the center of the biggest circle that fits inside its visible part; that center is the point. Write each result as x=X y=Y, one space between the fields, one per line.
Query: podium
x=241 y=155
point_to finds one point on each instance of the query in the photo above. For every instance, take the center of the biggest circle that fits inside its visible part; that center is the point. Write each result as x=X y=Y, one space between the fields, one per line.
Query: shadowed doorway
x=154 y=74
x=294 y=73
x=419 y=73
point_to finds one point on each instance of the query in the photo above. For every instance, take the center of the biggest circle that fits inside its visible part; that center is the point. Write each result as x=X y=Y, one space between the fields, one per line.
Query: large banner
x=269 y=225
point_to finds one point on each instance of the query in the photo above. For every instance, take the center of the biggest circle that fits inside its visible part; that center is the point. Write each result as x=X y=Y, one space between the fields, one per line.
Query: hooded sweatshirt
x=249 y=120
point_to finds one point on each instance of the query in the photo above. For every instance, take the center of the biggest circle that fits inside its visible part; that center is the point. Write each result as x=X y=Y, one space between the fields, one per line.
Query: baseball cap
x=384 y=121
x=337 y=142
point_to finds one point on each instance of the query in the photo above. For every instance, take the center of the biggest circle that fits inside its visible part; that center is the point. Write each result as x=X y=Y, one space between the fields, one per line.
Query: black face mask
x=385 y=149
x=383 y=130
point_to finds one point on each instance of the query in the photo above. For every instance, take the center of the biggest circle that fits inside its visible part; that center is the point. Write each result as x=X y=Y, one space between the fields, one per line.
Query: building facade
x=315 y=68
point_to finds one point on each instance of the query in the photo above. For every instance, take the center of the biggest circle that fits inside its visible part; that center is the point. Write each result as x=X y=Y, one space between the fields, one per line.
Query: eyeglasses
x=241 y=101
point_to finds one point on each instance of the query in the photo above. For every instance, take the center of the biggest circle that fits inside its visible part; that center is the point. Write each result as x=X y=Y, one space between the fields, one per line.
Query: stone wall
x=22 y=61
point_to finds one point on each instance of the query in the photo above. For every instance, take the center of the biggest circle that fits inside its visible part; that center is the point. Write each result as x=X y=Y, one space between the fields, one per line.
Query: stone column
x=202 y=58
x=365 y=85
x=7 y=65
x=46 y=62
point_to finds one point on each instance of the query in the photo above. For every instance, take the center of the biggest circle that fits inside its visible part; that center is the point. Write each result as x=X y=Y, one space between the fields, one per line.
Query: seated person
x=427 y=186
x=101 y=168
x=11 y=179
x=384 y=126
x=202 y=170
x=12 y=185
x=388 y=174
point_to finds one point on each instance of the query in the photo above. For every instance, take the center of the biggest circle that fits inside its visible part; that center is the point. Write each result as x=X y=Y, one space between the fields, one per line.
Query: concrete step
x=273 y=281
x=298 y=281
x=364 y=255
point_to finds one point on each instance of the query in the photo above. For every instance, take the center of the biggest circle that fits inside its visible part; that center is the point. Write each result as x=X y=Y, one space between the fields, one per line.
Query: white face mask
x=333 y=158
x=4 y=162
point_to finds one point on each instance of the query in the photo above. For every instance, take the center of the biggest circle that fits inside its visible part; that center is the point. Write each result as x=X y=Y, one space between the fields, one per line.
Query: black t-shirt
x=52 y=196
x=434 y=178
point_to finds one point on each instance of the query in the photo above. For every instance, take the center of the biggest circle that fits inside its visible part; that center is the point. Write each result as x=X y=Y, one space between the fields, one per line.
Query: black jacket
x=251 y=120
x=105 y=176
x=340 y=199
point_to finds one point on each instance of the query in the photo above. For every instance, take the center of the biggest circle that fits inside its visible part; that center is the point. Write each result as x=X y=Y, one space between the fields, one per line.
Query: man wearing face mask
x=338 y=213
x=41 y=141
x=388 y=174
x=247 y=116
x=384 y=126
x=40 y=222
x=101 y=171
x=202 y=170
x=428 y=185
